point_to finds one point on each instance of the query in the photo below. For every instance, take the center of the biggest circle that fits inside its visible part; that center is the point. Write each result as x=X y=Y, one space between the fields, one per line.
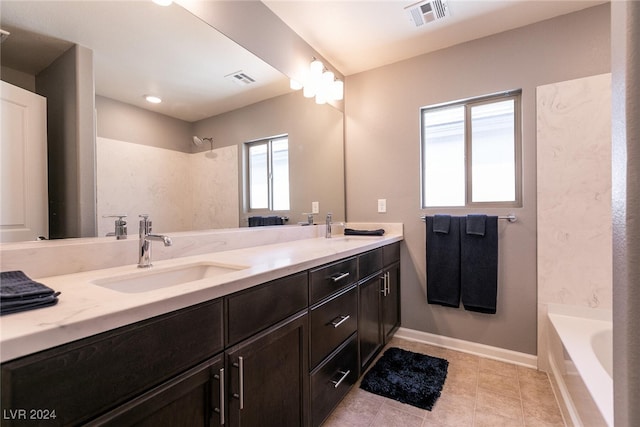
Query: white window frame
x=516 y=95
x=270 y=190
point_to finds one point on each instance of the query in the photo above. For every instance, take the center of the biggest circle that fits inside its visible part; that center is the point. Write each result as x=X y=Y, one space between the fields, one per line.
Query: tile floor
x=477 y=392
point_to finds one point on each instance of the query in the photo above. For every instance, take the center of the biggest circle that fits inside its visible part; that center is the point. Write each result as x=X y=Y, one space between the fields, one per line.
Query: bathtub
x=581 y=358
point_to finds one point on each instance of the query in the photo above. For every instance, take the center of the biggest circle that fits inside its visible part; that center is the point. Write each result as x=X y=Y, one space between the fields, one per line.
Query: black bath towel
x=479 y=265
x=443 y=264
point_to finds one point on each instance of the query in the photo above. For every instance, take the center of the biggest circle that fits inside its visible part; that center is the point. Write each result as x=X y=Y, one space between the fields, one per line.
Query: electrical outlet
x=315 y=207
x=382 y=205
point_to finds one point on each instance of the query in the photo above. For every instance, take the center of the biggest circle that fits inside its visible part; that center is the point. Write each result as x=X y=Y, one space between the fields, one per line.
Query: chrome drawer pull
x=344 y=375
x=339 y=276
x=337 y=322
x=240 y=366
x=220 y=410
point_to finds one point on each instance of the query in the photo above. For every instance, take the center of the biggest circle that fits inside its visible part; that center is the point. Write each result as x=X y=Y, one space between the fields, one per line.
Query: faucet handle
x=114 y=216
x=145 y=224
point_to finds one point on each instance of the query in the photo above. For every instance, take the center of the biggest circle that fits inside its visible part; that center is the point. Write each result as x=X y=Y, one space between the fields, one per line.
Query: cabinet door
x=369 y=332
x=391 y=302
x=269 y=377
x=191 y=399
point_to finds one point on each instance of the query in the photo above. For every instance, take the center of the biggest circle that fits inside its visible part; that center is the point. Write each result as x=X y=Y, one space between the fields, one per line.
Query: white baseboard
x=496 y=353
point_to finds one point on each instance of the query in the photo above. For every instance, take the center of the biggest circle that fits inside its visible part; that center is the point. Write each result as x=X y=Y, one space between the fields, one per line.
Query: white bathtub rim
x=575 y=333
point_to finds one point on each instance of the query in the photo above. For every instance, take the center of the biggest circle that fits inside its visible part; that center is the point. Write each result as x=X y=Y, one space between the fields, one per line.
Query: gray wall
x=125 y=122
x=625 y=65
x=383 y=150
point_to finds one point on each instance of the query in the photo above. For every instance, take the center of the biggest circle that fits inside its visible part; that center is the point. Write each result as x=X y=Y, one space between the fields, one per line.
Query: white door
x=24 y=211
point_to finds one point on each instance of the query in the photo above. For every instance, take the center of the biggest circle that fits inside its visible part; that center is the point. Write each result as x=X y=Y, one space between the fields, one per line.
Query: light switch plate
x=382 y=205
x=315 y=207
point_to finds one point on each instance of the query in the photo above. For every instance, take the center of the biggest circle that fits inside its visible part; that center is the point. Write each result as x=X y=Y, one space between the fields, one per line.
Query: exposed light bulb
x=163 y=2
x=309 y=90
x=315 y=69
x=294 y=84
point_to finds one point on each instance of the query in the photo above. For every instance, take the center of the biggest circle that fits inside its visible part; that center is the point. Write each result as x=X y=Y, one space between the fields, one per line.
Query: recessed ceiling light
x=163 y=2
x=153 y=99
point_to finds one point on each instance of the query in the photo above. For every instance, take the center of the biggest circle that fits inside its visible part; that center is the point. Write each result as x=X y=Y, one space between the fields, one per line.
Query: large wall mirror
x=134 y=157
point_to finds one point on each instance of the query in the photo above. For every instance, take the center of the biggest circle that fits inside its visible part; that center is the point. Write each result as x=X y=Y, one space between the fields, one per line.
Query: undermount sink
x=153 y=279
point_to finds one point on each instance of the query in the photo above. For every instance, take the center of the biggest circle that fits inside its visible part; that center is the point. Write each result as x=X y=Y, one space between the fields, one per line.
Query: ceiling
x=139 y=47
x=358 y=35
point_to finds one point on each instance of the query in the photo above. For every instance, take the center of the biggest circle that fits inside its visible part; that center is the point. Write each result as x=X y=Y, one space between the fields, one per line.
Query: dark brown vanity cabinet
x=79 y=381
x=283 y=353
x=379 y=300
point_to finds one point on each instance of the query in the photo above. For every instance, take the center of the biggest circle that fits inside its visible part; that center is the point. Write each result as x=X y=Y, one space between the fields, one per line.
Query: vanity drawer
x=265 y=305
x=391 y=253
x=332 y=322
x=88 y=377
x=369 y=263
x=331 y=381
x=333 y=277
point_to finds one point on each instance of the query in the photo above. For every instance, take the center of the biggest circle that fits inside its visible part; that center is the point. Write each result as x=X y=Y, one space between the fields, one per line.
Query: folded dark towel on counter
x=19 y=293
x=443 y=264
x=476 y=224
x=441 y=223
x=352 y=232
x=479 y=266
x=259 y=221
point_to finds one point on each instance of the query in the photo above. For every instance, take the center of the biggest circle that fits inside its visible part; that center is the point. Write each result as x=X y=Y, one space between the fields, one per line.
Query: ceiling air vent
x=240 y=78
x=427 y=11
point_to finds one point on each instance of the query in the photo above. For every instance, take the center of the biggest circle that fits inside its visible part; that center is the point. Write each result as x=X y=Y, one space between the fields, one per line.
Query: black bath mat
x=407 y=377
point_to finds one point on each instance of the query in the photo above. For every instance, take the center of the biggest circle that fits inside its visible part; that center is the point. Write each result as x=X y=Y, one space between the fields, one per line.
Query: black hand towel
x=19 y=293
x=443 y=264
x=479 y=265
x=352 y=232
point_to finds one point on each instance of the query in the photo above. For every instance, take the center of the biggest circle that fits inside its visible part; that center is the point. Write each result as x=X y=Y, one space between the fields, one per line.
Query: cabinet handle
x=337 y=322
x=240 y=366
x=383 y=291
x=220 y=410
x=339 y=276
x=388 y=281
x=344 y=375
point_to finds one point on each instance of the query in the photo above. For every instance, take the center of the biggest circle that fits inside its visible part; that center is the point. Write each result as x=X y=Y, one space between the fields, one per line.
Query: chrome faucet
x=329 y=224
x=144 y=256
x=120 y=230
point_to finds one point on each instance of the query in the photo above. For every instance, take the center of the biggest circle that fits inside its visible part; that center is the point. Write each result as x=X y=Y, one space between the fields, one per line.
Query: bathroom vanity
x=282 y=351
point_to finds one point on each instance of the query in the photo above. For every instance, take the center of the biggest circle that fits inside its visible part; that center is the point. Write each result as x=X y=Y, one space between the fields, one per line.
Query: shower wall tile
x=216 y=200
x=180 y=191
x=574 y=192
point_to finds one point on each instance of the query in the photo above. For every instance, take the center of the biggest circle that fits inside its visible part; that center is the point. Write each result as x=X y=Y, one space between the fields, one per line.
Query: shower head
x=199 y=141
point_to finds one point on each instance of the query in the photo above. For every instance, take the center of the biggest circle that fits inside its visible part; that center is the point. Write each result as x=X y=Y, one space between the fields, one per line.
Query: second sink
x=150 y=280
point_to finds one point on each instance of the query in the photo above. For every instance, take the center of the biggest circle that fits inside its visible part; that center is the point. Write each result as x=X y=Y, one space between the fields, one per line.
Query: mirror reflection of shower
x=199 y=141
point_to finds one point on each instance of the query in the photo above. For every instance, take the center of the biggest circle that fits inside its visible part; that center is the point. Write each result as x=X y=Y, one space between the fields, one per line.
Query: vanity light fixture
x=153 y=99
x=320 y=83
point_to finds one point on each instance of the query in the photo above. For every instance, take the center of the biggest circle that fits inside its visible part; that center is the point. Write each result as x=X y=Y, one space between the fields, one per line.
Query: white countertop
x=86 y=309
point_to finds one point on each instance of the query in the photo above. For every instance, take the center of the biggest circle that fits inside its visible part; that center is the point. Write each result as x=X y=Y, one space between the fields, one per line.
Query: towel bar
x=510 y=217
